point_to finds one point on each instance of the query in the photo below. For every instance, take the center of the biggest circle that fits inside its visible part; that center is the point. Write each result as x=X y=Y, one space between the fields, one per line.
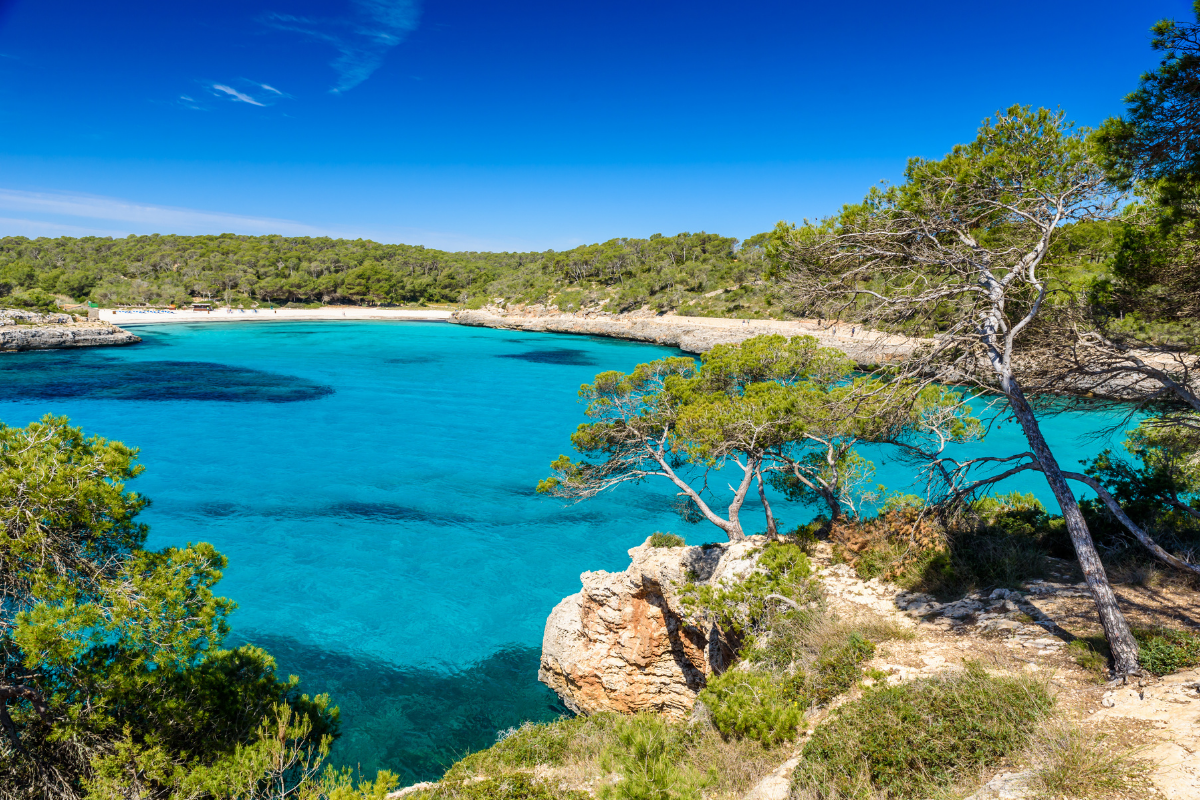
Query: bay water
x=372 y=484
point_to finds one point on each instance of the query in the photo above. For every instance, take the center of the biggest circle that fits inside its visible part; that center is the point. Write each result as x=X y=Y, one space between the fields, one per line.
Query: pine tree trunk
x=1116 y=629
x=772 y=531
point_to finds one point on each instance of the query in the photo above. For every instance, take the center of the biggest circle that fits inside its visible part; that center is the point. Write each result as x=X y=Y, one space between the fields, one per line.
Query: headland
x=31 y=330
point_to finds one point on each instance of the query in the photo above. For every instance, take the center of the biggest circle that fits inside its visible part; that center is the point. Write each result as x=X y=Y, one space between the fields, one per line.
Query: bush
x=910 y=740
x=1087 y=657
x=31 y=300
x=649 y=754
x=753 y=704
x=836 y=671
x=524 y=748
x=666 y=540
x=1163 y=651
x=1000 y=541
x=783 y=569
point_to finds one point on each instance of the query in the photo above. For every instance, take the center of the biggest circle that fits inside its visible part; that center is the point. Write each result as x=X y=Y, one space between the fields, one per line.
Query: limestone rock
x=626 y=643
x=30 y=330
x=1007 y=786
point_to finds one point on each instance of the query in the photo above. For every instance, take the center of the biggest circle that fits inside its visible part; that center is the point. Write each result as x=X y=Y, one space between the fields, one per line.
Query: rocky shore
x=692 y=334
x=29 y=330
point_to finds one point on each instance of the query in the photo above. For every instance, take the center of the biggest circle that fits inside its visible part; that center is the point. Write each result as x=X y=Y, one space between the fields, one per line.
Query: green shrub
x=753 y=704
x=658 y=539
x=909 y=740
x=30 y=300
x=526 y=747
x=837 y=670
x=1163 y=651
x=784 y=570
x=649 y=754
x=806 y=536
x=996 y=541
x=1086 y=656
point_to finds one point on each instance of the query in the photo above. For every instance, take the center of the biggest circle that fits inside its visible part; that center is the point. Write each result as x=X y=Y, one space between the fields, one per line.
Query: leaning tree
x=956 y=251
x=771 y=407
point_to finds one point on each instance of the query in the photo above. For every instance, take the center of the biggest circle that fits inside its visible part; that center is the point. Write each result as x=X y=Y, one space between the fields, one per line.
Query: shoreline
x=696 y=334
x=126 y=318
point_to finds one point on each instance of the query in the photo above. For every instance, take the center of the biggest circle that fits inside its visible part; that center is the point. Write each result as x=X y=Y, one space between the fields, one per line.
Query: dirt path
x=1028 y=632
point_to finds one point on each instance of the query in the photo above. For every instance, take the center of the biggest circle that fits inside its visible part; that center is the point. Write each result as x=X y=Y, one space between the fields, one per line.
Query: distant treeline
x=664 y=272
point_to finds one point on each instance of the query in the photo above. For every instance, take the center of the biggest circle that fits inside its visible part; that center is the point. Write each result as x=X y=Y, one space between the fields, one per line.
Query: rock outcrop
x=692 y=334
x=626 y=643
x=29 y=330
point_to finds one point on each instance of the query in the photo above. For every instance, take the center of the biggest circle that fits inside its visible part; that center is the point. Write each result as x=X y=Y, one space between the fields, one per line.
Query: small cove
x=372 y=486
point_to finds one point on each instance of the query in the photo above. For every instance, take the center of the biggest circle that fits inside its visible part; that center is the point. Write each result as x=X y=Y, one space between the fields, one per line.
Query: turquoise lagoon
x=372 y=484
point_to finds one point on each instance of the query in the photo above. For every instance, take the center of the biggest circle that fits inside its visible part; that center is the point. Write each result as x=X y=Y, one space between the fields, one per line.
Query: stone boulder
x=626 y=643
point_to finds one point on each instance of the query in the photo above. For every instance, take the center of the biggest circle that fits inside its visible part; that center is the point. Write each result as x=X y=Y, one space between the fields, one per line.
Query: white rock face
x=625 y=643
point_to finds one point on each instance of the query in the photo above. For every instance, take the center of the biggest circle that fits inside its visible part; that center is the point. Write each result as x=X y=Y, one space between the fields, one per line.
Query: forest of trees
x=664 y=272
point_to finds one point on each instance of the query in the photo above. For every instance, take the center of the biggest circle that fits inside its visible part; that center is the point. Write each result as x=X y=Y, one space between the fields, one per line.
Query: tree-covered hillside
x=663 y=272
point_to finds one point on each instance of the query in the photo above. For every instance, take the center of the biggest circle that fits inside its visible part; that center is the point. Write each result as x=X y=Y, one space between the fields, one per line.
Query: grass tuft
x=1080 y=764
x=659 y=539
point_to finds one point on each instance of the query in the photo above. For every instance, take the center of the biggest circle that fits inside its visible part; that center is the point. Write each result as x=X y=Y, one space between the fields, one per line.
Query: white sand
x=125 y=317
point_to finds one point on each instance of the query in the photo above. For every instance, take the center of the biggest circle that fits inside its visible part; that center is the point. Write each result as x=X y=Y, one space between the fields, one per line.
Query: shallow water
x=372 y=486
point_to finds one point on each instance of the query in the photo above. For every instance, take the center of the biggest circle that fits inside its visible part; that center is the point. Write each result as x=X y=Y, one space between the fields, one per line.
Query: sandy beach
x=125 y=317
x=695 y=334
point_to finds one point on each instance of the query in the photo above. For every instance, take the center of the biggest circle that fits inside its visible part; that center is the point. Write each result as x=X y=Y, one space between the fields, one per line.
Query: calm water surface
x=372 y=486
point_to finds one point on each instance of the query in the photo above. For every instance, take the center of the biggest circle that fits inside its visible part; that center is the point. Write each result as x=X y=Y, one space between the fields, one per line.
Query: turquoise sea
x=372 y=484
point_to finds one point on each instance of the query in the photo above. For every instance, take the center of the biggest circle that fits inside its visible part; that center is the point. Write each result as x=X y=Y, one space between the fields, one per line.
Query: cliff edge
x=626 y=643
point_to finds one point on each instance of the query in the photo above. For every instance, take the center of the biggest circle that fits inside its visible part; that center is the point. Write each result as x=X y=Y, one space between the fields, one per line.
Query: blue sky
x=469 y=125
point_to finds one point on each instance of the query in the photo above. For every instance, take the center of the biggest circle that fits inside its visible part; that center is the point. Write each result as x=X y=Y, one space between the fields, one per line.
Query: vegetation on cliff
x=114 y=678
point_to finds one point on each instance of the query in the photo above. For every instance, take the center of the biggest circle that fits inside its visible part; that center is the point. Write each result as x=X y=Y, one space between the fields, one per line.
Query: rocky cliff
x=626 y=643
x=692 y=334
x=29 y=330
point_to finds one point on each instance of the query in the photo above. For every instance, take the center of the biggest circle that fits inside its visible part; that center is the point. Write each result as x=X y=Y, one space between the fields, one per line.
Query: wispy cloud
x=236 y=95
x=361 y=41
x=238 y=90
x=72 y=214
x=142 y=217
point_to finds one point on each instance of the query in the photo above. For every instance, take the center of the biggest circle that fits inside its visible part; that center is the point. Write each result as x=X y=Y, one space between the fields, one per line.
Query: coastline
x=695 y=334
x=126 y=317
x=31 y=330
